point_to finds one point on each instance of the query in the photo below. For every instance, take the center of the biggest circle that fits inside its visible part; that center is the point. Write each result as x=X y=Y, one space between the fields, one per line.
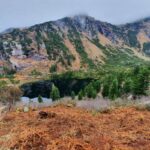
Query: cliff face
x=73 y=43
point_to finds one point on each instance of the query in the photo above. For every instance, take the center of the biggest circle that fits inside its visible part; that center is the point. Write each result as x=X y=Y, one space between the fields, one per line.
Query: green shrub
x=133 y=38
x=34 y=72
x=3 y=84
x=146 y=48
x=8 y=70
x=53 y=68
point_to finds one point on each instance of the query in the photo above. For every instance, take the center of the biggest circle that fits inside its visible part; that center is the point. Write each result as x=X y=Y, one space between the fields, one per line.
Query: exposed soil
x=68 y=128
x=93 y=51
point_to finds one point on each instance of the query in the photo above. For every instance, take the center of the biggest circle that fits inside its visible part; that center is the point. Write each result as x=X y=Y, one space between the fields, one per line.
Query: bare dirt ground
x=70 y=128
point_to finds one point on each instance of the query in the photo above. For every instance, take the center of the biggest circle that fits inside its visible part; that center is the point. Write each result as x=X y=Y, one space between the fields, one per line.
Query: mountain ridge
x=72 y=16
x=73 y=43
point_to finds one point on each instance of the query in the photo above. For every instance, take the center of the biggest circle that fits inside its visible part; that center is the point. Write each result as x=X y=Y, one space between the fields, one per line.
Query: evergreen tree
x=141 y=82
x=90 y=92
x=105 y=91
x=97 y=85
x=106 y=85
x=73 y=95
x=55 y=94
x=127 y=87
x=40 y=100
x=113 y=90
x=94 y=94
x=136 y=70
x=80 y=95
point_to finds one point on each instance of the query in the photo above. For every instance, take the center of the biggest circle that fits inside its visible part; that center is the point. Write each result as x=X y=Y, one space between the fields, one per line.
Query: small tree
x=90 y=91
x=140 y=83
x=97 y=85
x=80 y=95
x=127 y=86
x=94 y=94
x=113 y=90
x=73 y=95
x=40 y=100
x=55 y=94
x=105 y=86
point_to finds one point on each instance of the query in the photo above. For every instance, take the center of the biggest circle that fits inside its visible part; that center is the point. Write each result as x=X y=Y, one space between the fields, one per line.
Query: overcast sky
x=20 y=13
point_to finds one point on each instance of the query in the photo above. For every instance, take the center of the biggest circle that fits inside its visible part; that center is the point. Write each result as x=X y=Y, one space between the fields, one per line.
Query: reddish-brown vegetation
x=66 y=128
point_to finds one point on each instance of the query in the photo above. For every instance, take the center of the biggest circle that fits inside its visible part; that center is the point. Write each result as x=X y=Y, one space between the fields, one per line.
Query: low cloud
x=19 y=13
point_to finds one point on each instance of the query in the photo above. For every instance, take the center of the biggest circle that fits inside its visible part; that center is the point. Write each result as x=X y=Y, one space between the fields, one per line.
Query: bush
x=8 y=70
x=10 y=95
x=35 y=73
x=133 y=38
x=14 y=82
x=146 y=48
x=3 y=84
x=53 y=68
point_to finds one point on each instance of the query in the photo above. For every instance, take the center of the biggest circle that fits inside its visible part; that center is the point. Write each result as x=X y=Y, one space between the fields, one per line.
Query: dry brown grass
x=77 y=129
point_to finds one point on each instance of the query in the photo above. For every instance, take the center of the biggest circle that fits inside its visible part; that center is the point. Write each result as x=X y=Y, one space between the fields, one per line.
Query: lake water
x=25 y=101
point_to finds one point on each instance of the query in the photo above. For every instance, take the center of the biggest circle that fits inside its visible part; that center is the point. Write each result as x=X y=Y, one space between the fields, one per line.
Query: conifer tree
x=80 y=95
x=40 y=100
x=73 y=95
x=127 y=87
x=55 y=94
x=90 y=91
x=113 y=90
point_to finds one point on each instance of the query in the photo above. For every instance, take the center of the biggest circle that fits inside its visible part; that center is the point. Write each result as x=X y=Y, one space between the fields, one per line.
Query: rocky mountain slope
x=74 y=43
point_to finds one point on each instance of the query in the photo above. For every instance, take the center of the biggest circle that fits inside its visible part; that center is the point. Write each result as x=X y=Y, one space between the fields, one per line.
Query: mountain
x=74 y=43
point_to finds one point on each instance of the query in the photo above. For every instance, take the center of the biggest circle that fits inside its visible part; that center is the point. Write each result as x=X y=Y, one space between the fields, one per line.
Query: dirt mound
x=66 y=128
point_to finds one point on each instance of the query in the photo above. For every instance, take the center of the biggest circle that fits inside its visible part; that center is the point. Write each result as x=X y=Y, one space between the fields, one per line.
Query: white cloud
x=18 y=13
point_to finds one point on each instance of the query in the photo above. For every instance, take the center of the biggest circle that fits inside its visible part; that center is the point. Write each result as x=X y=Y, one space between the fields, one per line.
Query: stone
x=26 y=109
x=43 y=115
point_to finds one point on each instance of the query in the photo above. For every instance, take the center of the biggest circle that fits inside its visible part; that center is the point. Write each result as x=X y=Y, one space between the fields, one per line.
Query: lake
x=26 y=101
